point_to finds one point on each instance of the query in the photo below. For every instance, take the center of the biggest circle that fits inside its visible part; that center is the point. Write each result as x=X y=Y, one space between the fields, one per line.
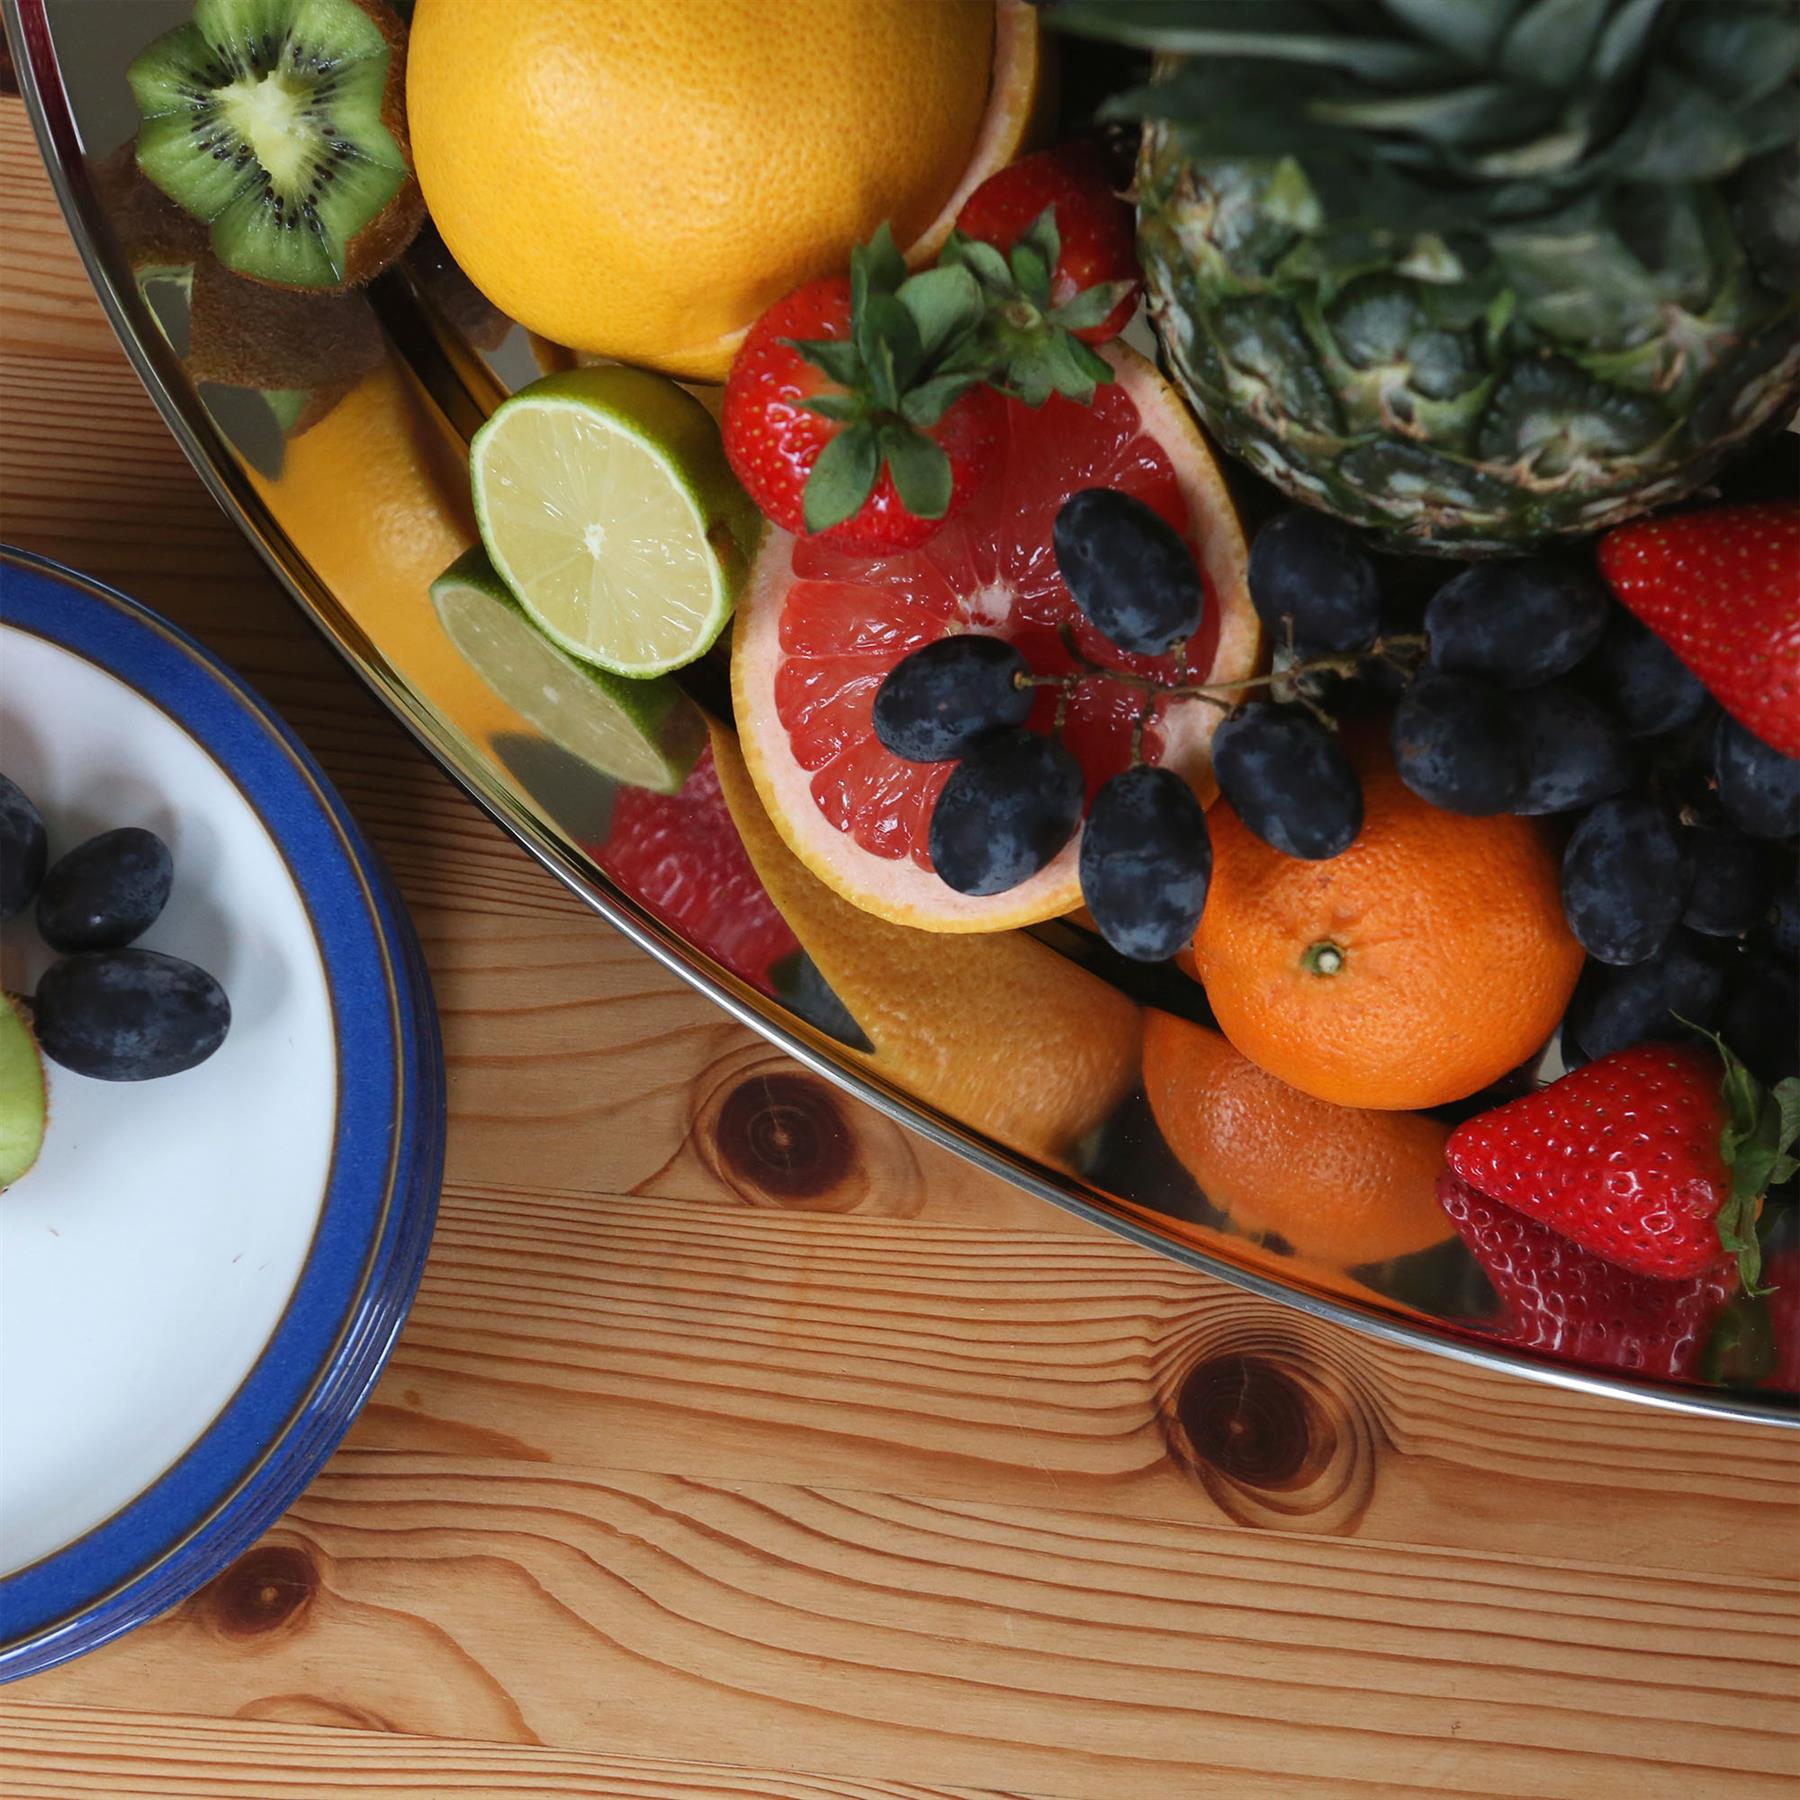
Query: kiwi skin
x=157 y=236
x=245 y=333
x=387 y=235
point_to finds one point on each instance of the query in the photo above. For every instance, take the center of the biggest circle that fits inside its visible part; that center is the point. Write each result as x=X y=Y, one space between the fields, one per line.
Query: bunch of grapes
x=1536 y=693
x=1524 y=687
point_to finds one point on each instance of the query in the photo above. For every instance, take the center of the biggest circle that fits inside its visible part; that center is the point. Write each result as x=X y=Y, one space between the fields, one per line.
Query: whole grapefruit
x=640 y=179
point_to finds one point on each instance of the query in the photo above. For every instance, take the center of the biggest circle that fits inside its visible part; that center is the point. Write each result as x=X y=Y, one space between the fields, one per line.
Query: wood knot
x=771 y=1135
x=785 y=1135
x=1276 y=1438
x=1247 y=1419
x=268 y=1589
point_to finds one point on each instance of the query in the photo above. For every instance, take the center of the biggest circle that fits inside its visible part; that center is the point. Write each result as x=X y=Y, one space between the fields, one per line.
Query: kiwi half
x=282 y=123
x=23 y=1110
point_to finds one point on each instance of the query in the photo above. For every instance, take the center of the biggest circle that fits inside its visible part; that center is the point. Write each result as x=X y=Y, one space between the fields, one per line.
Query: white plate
x=145 y=1260
x=202 y=1275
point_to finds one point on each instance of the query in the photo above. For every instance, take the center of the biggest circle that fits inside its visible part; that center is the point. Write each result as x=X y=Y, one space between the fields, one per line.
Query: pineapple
x=1472 y=273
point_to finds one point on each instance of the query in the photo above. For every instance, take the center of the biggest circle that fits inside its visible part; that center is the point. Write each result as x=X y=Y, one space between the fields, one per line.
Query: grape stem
x=1399 y=649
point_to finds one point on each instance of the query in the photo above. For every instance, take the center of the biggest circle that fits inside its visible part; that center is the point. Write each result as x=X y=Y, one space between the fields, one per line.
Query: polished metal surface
x=333 y=428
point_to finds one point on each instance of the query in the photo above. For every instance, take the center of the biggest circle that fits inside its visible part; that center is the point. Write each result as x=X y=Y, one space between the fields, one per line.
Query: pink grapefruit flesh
x=818 y=629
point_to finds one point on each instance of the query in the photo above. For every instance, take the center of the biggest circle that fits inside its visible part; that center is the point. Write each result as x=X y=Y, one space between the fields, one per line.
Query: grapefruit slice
x=817 y=629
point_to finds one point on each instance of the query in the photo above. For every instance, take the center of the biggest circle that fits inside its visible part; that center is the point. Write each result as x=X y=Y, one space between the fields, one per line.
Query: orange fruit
x=817 y=628
x=1342 y=1185
x=998 y=1032
x=384 y=444
x=641 y=179
x=1418 y=966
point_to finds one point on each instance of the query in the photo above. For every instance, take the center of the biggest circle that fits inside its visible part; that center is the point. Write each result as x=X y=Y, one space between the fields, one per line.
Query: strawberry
x=823 y=444
x=866 y=411
x=1559 y=1299
x=1721 y=588
x=1784 y=1320
x=1095 y=229
x=1645 y=1157
x=680 y=857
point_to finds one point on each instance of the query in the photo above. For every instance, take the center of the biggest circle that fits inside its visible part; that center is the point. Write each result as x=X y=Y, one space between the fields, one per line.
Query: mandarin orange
x=1416 y=967
x=1342 y=1185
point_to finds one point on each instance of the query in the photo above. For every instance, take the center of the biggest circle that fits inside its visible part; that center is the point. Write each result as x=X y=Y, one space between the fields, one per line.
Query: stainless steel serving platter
x=333 y=429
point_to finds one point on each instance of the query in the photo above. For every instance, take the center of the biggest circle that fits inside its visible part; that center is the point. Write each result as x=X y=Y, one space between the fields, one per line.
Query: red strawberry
x=775 y=441
x=1784 y=1320
x=680 y=857
x=1558 y=1299
x=1095 y=228
x=1654 y=1157
x=1722 y=589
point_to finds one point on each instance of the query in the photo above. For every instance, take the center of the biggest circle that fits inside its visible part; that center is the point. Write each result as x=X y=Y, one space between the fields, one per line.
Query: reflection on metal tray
x=334 y=427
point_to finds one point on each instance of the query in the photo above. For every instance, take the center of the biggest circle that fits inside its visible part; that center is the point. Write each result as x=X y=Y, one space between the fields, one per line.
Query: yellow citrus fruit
x=1341 y=1185
x=998 y=1032
x=1414 y=968
x=382 y=448
x=642 y=179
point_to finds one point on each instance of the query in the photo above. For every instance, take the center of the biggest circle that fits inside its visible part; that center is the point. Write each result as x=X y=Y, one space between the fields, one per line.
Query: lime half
x=608 y=508
x=644 y=733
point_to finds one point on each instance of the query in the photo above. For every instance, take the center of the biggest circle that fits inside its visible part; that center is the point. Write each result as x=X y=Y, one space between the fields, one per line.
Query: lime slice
x=644 y=733
x=608 y=508
x=22 y=1108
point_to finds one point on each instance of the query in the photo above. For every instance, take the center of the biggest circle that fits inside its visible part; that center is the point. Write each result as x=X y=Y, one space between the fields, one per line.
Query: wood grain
x=725 y=1459
x=53 y=1751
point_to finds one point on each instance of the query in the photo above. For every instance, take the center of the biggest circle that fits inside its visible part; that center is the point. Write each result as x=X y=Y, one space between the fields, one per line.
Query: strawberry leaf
x=1043 y=237
x=1759 y=1129
x=1091 y=305
x=889 y=343
x=835 y=356
x=1031 y=273
x=1787 y=1097
x=930 y=400
x=920 y=469
x=1088 y=369
x=1053 y=362
x=843 y=477
x=982 y=261
x=973 y=355
x=1030 y=376
x=1741 y=1346
x=946 y=306
x=876 y=267
x=841 y=407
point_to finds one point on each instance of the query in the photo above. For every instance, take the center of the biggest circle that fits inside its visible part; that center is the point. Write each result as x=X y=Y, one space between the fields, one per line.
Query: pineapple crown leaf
x=1562 y=92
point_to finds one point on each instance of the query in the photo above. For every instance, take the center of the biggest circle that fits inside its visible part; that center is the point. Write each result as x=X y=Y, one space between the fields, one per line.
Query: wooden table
x=683 y=1483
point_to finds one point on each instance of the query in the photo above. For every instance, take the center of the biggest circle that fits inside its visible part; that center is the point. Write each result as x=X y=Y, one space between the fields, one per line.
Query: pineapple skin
x=1427 y=412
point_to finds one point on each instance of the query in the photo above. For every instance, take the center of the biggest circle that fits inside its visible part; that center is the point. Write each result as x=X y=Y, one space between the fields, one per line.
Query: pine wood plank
x=54 y=1751
x=1059 y=1650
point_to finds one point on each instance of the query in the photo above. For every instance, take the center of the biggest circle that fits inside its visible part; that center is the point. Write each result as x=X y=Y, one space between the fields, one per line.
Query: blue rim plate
x=386 y=1162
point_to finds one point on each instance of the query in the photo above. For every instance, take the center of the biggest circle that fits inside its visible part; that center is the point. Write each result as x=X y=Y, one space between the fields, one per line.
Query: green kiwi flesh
x=23 y=1108
x=282 y=124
